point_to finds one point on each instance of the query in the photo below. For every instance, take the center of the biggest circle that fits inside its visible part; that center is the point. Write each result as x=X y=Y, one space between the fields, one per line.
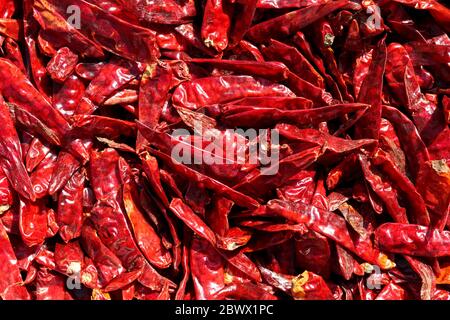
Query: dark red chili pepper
x=112 y=34
x=413 y=240
x=146 y=237
x=291 y=22
x=62 y=64
x=216 y=24
x=371 y=89
x=10 y=279
x=70 y=208
x=279 y=149
x=11 y=155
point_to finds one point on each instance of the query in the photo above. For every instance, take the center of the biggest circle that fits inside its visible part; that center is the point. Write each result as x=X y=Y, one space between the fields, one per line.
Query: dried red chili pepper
x=11 y=155
x=291 y=22
x=413 y=240
x=10 y=279
x=62 y=64
x=70 y=208
x=355 y=120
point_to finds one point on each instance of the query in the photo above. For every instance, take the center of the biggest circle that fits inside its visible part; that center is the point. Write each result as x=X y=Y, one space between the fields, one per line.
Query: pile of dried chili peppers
x=93 y=204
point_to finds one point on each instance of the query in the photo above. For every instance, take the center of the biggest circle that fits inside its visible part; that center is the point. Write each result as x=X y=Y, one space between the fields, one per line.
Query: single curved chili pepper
x=21 y=92
x=207 y=269
x=416 y=203
x=181 y=291
x=49 y=285
x=309 y=286
x=251 y=50
x=112 y=33
x=269 y=70
x=244 y=11
x=371 y=90
x=36 y=153
x=332 y=226
x=185 y=213
x=327 y=142
x=432 y=183
x=10 y=278
x=11 y=155
x=151 y=169
x=13 y=53
x=294 y=60
x=243 y=291
x=89 y=126
x=70 y=208
x=108 y=265
x=147 y=239
x=266 y=117
x=216 y=24
x=415 y=150
x=154 y=91
x=41 y=177
x=212 y=90
x=413 y=239
x=384 y=191
x=291 y=22
x=65 y=167
x=110 y=79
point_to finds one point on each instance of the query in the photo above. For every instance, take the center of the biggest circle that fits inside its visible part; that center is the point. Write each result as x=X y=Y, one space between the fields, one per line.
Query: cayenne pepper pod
x=116 y=165
x=69 y=215
x=10 y=279
x=216 y=24
x=11 y=155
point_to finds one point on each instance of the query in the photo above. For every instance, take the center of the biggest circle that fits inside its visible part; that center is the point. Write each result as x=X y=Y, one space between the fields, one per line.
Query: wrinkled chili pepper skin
x=21 y=92
x=113 y=33
x=132 y=146
x=69 y=215
x=413 y=240
x=291 y=22
x=10 y=279
x=11 y=155
x=207 y=269
x=146 y=236
x=371 y=90
x=207 y=91
x=62 y=64
x=32 y=222
x=216 y=24
x=108 y=265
